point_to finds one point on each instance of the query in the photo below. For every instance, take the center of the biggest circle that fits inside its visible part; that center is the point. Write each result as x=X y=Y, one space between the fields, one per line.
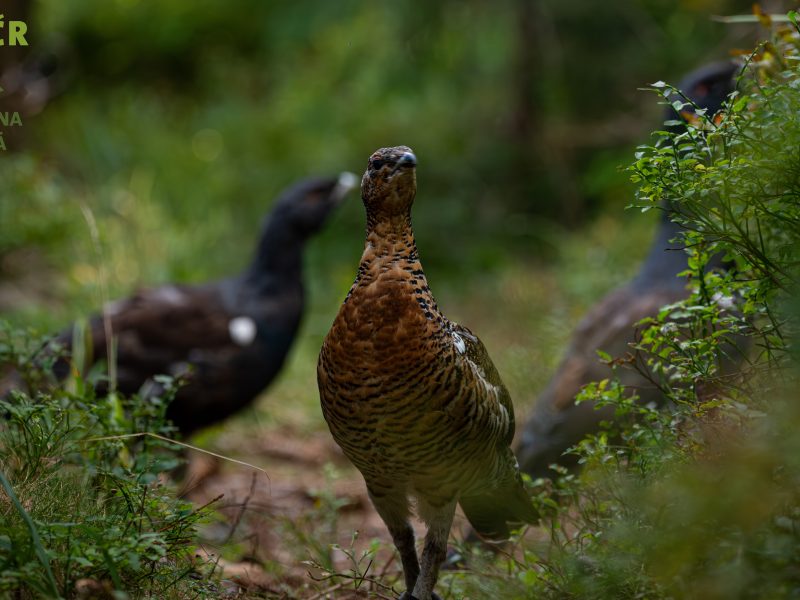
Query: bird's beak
x=346 y=182
x=407 y=161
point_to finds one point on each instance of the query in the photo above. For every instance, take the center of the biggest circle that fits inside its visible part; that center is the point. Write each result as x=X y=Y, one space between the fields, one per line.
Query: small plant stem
x=41 y=553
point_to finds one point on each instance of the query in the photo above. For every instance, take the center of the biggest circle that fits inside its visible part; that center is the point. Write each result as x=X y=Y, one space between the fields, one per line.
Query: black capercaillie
x=412 y=398
x=556 y=422
x=227 y=338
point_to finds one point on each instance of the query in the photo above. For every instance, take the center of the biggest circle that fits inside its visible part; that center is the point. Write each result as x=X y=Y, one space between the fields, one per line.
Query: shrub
x=702 y=500
x=84 y=504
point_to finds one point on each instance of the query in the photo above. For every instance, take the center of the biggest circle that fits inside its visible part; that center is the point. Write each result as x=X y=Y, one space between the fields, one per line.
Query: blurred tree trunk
x=542 y=161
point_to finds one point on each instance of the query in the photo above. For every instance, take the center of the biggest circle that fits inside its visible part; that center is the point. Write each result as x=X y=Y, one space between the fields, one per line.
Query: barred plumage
x=412 y=398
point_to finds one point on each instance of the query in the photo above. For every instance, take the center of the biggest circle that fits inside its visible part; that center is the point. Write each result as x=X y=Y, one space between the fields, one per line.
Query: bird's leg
x=393 y=509
x=439 y=520
x=403 y=538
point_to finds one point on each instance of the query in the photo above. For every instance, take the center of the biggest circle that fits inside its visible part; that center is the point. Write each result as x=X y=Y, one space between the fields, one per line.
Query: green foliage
x=36 y=204
x=701 y=501
x=734 y=184
x=83 y=501
x=360 y=575
x=182 y=119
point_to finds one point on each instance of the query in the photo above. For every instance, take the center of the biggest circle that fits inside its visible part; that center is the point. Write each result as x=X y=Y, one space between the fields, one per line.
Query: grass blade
x=35 y=539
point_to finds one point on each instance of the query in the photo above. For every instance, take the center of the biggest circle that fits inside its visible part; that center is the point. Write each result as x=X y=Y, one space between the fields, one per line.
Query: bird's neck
x=279 y=254
x=666 y=258
x=389 y=244
x=390 y=274
x=389 y=305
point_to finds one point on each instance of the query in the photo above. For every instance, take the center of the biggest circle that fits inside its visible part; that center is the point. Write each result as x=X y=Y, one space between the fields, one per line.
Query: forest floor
x=295 y=533
x=281 y=523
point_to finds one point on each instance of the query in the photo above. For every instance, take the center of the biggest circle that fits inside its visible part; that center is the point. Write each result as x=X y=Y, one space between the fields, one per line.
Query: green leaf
x=528 y=577
x=792 y=16
x=604 y=356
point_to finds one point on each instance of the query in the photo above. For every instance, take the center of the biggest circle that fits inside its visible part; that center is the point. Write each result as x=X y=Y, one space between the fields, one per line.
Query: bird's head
x=304 y=207
x=708 y=87
x=389 y=183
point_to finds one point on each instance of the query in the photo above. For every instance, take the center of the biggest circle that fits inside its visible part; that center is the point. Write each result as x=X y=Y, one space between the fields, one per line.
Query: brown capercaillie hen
x=413 y=399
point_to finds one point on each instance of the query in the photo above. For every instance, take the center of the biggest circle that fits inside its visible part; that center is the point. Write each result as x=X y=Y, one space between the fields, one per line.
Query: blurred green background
x=172 y=125
x=176 y=122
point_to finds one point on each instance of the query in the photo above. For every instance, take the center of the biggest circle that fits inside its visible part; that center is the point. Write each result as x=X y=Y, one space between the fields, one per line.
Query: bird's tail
x=497 y=510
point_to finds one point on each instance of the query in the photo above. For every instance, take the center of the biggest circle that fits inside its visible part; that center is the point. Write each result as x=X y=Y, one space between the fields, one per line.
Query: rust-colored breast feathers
x=400 y=385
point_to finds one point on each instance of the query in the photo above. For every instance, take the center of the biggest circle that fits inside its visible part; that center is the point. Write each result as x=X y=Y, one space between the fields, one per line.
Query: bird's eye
x=377 y=163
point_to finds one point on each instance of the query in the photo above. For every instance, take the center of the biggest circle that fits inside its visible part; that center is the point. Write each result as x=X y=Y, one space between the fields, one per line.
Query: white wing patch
x=242 y=330
x=459 y=343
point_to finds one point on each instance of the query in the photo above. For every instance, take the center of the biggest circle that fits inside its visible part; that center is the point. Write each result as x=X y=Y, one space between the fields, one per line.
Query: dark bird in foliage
x=708 y=87
x=556 y=422
x=228 y=338
x=412 y=398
